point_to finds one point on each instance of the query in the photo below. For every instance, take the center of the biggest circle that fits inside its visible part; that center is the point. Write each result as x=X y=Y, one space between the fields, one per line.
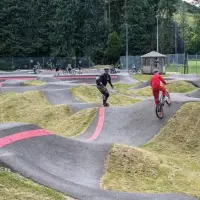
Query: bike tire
x=169 y=99
x=74 y=72
x=130 y=72
x=159 y=111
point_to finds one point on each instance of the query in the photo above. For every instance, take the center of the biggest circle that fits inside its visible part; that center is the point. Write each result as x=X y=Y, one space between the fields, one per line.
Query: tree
x=72 y=28
x=184 y=27
x=194 y=39
x=114 y=48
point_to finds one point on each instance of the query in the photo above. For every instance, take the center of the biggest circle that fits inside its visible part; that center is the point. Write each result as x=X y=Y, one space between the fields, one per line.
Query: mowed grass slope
x=32 y=107
x=168 y=163
x=15 y=187
x=32 y=83
x=144 y=77
x=91 y=94
x=172 y=87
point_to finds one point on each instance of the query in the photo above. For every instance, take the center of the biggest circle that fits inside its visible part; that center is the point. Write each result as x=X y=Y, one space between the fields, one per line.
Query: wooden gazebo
x=151 y=61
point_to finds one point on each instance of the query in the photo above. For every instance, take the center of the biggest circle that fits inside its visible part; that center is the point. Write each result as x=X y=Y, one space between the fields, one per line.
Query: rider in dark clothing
x=101 y=82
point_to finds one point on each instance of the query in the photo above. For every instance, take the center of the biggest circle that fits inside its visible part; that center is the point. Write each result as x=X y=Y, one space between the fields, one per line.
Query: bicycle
x=72 y=71
x=159 y=107
x=134 y=71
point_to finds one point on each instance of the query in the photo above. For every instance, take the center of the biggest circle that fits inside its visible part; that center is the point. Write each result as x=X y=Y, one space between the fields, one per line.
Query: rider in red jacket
x=156 y=87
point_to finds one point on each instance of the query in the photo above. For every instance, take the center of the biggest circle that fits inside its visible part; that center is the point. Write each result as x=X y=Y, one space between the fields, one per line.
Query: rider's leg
x=102 y=90
x=156 y=96
x=106 y=94
x=163 y=89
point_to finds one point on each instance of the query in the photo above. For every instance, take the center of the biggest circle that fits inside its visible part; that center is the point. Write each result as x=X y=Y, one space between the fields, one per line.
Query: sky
x=189 y=1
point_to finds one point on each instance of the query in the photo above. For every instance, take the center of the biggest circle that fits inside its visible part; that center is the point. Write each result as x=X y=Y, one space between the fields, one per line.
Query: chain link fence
x=175 y=63
x=16 y=63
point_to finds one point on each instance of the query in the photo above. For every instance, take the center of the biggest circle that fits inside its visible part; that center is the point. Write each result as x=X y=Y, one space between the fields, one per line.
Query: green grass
x=32 y=107
x=32 y=83
x=193 y=67
x=91 y=94
x=101 y=66
x=122 y=88
x=144 y=77
x=168 y=163
x=15 y=187
x=181 y=135
x=172 y=87
x=190 y=18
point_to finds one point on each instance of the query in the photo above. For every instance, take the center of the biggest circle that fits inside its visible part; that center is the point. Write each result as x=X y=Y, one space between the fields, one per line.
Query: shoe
x=106 y=105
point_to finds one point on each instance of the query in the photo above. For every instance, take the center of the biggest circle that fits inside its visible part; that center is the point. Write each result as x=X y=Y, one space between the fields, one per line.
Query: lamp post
x=176 y=55
x=157 y=17
x=126 y=34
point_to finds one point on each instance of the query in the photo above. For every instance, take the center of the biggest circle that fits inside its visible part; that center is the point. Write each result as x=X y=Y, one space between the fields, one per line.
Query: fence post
x=12 y=62
x=43 y=62
x=196 y=64
x=176 y=62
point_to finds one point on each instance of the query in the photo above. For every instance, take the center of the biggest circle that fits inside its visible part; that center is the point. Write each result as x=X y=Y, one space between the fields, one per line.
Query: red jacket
x=155 y=81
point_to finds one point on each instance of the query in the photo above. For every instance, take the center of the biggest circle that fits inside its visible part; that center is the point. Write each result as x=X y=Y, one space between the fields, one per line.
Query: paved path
x=75 y=166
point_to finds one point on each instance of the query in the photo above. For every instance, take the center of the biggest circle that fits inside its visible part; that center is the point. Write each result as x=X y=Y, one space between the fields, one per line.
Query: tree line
x=94 y=28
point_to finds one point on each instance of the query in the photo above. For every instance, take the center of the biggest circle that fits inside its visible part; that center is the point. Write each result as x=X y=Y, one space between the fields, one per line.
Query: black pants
x=105 y=93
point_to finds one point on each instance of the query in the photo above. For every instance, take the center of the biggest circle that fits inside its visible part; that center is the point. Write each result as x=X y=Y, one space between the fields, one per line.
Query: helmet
x=106 y=69
x=155 y=70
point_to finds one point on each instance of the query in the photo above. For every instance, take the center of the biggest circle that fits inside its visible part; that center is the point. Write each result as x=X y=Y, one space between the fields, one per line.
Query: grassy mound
x=32 y=107
x=91 y=94
x=168 y=163
x=172 y=87
x=32 y=83
x=181 y=135
x=134 y=170
x=144 y=77
x=15 y=187
x=122 y=87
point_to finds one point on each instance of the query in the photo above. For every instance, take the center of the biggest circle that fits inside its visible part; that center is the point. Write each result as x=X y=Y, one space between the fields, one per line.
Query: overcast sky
x=189 y=1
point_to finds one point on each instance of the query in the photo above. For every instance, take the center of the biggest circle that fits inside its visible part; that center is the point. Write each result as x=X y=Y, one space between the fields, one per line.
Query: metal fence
x=14 y=63
x=175 y=63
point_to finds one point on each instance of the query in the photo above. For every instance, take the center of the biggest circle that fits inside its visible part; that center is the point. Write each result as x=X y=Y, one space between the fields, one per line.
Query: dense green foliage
x=114 y=48
x=190 y=32
x=82 y=28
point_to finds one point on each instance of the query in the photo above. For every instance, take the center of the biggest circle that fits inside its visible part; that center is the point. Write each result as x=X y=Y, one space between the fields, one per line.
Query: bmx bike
x=72 y=71
x=134 y=71
x=160 y=106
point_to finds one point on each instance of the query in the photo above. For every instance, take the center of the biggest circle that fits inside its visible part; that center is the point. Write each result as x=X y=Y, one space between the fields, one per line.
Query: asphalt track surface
x=74 y=166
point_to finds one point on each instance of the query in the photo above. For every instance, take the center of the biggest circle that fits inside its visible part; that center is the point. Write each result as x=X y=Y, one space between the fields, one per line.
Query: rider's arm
x=151 y=82
x=163 y=80
x=99 y=80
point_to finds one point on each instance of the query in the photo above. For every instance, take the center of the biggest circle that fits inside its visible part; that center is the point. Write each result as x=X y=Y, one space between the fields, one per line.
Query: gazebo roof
x=153 y=54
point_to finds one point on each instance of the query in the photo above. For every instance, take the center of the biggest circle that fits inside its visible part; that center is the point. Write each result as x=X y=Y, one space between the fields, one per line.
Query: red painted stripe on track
x=81 y=77
x=99 y=125
x=16 y=78
x=22 y=136
x=1 y=84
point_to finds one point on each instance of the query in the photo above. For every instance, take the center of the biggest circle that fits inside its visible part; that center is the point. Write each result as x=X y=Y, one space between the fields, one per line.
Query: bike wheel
x=74 y=72
x=168 y=99
x=130 y=72
x=159 y=111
